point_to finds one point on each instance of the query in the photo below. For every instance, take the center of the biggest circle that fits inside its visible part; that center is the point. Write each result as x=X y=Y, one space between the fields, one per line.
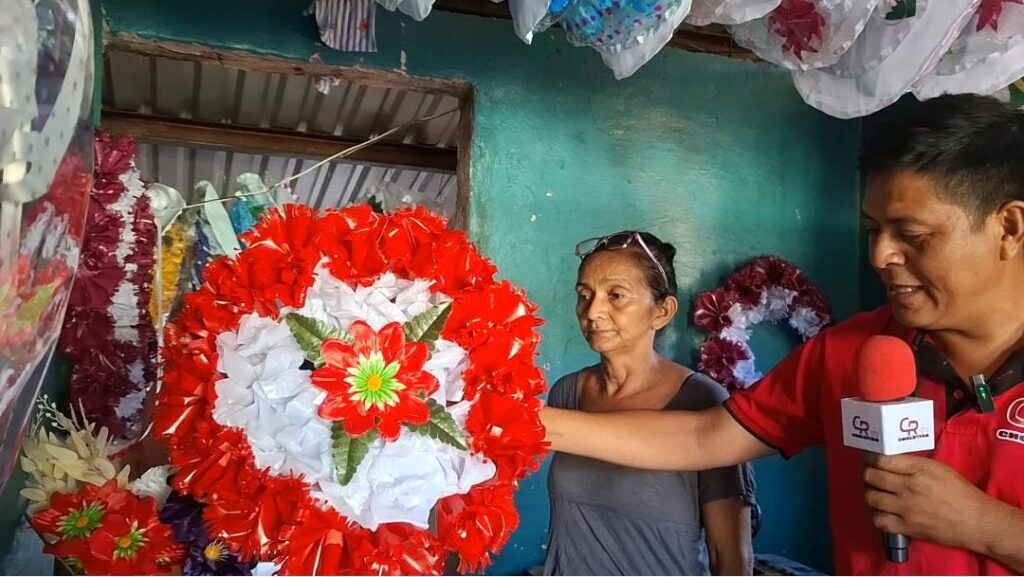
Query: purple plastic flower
x=204 y=556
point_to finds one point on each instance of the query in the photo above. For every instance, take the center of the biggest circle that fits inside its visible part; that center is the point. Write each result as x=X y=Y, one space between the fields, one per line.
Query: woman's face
x=614 y=304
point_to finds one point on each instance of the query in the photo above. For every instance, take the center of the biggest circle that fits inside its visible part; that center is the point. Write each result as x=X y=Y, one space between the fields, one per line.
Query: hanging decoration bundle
x=350 y=381
x=849 y=58
x=108 y=333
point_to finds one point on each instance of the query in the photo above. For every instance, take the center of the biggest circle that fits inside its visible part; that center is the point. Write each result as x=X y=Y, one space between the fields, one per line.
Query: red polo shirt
x=796 y=405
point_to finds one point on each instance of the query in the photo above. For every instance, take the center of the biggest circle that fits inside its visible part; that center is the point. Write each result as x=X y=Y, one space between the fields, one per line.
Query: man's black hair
x=972 y=145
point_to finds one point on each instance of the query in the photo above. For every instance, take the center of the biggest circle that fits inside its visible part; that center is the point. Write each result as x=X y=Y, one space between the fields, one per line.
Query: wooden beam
x=712 y=39
x=242 y=60
x=237 y=138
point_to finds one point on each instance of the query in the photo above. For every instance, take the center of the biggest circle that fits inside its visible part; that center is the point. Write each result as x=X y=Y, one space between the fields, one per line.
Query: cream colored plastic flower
x=60 y=460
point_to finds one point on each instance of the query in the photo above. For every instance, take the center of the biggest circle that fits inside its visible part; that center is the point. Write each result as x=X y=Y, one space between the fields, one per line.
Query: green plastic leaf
x=1017 y=93
x=427 y=326
x=442 y=426
x=375 y=204
x=349 y=452
x=311 y=334
x=902 y=10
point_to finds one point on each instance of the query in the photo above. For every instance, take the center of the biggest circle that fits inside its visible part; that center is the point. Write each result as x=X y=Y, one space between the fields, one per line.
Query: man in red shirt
x=944 y=211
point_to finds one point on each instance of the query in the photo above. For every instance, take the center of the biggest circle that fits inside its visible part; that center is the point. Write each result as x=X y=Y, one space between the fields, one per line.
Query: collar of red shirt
x=932 y=364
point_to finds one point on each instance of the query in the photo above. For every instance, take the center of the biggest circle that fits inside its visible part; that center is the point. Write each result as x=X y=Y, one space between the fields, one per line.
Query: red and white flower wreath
x=351 y=379
x=767 y=289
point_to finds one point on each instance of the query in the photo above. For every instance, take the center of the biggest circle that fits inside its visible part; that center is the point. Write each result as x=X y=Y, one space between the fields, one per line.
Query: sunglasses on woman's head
x=618 y=241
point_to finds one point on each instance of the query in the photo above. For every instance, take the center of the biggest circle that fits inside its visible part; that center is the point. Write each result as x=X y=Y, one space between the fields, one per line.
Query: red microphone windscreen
x=885 y=369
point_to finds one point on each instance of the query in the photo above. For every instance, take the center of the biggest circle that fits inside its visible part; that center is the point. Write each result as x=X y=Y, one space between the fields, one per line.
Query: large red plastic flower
x=376 y=381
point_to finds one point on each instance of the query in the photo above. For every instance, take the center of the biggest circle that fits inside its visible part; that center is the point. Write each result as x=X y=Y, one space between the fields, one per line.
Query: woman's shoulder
x=700 y=391
x=563 y=393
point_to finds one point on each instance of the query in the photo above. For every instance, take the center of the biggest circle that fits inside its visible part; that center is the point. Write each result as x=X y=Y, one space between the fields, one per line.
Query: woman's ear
x=665 y=311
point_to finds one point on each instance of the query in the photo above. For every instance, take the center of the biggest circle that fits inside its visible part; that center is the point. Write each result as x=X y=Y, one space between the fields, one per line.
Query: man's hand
x=925 y=499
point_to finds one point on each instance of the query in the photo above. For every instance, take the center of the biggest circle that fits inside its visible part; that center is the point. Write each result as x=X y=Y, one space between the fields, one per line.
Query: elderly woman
x=613 y=520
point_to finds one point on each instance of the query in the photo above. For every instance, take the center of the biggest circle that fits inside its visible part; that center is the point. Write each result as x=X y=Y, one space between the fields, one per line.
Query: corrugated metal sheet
x=208 y=91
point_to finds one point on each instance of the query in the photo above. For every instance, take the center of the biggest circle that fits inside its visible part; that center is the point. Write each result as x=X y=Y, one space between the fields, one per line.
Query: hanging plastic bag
x=733 y=12
x=901 y=42
x=806 y=34
x=625 y=62
x=988 y=56
x=46 y=158
x=528 y=16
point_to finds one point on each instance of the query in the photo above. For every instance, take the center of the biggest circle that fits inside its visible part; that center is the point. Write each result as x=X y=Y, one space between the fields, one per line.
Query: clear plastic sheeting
x=46 y=156
x=933 y=28
x=416 y=9
x=849 y=58
x=988 y=55
x=806 y=34
x=529 y=17
x=624 y=63
x=739 y=11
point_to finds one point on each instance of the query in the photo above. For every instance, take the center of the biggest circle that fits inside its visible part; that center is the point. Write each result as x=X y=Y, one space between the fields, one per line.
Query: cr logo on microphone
x=860 y=424
x=909 y=426
x=862 y=429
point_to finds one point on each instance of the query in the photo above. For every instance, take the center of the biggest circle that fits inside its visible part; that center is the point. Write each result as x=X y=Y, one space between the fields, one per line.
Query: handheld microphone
x=885 y=419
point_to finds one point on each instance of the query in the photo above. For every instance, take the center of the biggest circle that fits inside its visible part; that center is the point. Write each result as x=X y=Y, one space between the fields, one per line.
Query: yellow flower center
x=374 y=382
x=214 y=551
x=82 y=522
x=124 y=542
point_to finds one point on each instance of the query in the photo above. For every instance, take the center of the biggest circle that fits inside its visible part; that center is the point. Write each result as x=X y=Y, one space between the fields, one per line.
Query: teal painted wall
x=718 y=156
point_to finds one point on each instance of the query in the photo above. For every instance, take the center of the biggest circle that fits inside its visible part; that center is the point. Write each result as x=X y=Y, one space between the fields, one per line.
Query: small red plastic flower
x=376 y=381
x=990 y=12
x=77 y=515
x=800 y=24
x=107 y=530
x=718 y=356
x=477 y=524
x=711 y=309
x=509 y=432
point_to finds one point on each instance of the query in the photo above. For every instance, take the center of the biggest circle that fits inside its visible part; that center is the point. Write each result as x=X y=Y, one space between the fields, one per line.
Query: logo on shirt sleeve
x=1014 y=418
